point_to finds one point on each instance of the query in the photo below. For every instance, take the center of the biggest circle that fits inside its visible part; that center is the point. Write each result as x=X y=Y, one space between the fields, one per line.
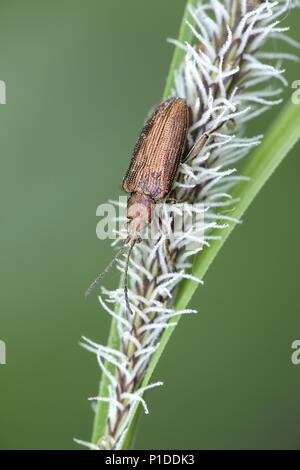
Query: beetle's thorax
x=139 y=213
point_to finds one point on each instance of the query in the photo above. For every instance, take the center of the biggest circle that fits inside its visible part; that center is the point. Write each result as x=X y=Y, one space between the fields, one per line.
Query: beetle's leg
x=198 y=146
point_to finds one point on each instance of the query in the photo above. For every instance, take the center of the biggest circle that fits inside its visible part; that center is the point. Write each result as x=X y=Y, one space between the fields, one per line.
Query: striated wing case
x=158 y=151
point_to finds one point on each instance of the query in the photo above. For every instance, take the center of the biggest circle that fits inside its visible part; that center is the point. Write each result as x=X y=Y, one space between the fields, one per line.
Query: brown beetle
x=152 y=170
x=155 y=162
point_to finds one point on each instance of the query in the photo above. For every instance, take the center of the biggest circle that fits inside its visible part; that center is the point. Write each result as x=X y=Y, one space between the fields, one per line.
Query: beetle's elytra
x=155 y=161
x=158 y=150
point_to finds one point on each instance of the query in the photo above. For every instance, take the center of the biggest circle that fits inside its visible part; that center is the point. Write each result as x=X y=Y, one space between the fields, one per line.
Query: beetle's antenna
x=126 y=277
x=106 y=270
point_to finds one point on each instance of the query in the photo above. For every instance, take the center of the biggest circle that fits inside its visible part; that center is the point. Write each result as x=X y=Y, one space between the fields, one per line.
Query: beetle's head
x=139 y=212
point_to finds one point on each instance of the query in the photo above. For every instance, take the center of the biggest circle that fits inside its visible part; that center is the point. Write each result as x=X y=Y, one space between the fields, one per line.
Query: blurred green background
x=81 y=77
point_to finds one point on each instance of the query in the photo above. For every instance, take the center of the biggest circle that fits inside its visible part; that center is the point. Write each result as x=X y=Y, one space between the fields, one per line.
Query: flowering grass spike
x=227 y=77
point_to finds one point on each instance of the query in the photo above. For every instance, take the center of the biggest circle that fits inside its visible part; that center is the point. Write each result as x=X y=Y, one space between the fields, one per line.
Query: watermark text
x=295 y=357
x=2 y=352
